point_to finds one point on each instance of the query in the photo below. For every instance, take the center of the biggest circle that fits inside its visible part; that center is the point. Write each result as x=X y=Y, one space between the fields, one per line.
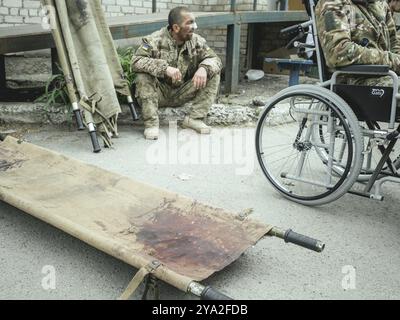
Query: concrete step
x=36 y=113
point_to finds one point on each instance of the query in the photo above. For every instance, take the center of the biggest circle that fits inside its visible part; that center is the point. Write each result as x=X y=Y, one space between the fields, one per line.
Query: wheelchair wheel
x=289 y=149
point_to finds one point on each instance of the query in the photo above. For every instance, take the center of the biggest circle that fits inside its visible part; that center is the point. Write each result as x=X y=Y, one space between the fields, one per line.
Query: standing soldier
x=358 y=32
x=174 y=66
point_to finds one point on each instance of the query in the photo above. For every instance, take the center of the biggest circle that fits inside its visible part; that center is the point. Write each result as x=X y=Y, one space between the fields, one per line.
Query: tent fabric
x=83 y=38
x=130 y=220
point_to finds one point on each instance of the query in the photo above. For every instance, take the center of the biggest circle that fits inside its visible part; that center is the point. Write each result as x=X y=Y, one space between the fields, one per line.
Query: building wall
x=19 y=12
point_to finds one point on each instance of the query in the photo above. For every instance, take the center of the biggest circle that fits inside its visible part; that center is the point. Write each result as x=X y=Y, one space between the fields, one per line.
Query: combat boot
x=151 y=133
x=196 y=125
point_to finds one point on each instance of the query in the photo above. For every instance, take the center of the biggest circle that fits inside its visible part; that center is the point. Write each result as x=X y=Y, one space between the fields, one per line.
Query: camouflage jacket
x=357 y=32
x=159 y=51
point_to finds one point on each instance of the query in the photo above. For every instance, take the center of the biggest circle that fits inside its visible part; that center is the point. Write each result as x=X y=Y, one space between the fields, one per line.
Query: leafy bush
x=125 y=58
x=55 y=92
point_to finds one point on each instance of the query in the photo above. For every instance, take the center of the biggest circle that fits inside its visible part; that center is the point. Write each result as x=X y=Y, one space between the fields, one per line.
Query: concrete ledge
x=35 y=113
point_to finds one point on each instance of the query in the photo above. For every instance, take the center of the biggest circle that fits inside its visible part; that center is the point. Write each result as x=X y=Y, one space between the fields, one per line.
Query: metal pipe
x=233 y=5
x=255 y=5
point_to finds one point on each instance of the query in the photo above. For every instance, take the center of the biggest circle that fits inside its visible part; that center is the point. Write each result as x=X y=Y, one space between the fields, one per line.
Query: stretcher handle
x=289 y=236
x=132 y=107
x=79 y=122
x=95 y=142
x=211 y=294
x=303 y=241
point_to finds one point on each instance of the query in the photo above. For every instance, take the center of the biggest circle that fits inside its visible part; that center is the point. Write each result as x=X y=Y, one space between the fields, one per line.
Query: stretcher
x=167 y=236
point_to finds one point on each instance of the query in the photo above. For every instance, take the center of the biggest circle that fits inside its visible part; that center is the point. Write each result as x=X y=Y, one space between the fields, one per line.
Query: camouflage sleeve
x=394 y=39
x=144 y=60
x=209 y=59
x=333 y=24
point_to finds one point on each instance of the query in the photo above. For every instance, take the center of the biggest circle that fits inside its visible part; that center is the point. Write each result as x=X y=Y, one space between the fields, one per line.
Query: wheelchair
x=315 y=143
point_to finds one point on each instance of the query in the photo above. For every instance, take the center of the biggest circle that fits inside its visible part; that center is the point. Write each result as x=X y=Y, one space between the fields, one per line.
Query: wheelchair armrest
x=367 y=68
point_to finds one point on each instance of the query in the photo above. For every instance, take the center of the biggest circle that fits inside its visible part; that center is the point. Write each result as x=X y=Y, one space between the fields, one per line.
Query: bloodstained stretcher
x=165 y=235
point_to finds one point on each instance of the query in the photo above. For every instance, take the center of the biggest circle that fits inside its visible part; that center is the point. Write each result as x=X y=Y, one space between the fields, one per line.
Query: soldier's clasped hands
x=200 y=78
x=174 y=74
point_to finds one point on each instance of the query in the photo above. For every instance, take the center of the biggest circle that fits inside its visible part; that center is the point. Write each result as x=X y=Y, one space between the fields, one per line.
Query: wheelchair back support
x=368 y=103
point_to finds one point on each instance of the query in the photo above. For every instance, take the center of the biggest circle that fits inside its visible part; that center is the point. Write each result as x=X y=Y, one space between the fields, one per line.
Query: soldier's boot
x=148 y=96
x=151 y=133
x=196 y=124
x=201 y=105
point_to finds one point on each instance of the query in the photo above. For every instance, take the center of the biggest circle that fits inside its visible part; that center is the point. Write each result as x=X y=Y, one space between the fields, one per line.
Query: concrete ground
x=361 y=259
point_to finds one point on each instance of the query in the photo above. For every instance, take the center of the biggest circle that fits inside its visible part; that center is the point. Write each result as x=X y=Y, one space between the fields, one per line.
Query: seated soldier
x=358 y=32
x=174 y=66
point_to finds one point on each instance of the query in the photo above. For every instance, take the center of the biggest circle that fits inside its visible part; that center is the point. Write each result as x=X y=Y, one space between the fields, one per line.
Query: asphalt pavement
x=361 y=259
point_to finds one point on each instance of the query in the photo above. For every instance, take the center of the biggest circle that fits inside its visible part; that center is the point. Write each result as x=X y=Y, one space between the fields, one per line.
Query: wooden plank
x=232 y=58
x=26 y=43
x=20 y=95
x=34 y=37
x=271 y=16
x=31 y=29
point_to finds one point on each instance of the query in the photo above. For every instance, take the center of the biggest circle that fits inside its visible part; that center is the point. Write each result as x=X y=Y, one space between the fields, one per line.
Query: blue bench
x=294 y=65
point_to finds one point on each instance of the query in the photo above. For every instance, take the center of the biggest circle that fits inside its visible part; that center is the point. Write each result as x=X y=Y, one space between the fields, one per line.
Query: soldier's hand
x=200 y=78
x=174 y=74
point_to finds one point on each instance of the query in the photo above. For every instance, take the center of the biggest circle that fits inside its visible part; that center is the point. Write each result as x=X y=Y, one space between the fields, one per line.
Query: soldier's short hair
x=175 y=15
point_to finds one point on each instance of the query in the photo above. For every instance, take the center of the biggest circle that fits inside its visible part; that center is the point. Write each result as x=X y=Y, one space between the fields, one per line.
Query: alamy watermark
x=231 y=146
x=49 y=280
x=349 y=280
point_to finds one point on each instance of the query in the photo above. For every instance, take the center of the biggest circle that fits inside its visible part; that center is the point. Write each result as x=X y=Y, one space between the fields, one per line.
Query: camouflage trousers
x=384 y=81
x=151 y=93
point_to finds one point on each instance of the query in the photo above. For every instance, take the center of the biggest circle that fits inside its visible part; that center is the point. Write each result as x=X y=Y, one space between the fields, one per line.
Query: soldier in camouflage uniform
x=358 y=32
x=174 y=66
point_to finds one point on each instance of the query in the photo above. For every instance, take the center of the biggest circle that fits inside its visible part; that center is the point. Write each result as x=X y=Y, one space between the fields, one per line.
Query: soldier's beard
x=186 y=36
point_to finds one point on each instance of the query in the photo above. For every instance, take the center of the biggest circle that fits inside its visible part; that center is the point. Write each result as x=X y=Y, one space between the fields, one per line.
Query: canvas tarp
x=89 y=61
x=127 y=219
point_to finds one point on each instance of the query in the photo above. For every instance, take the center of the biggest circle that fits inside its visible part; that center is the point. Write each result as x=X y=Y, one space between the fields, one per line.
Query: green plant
x=55 y=92
x=56 y=96
x=125 y=58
